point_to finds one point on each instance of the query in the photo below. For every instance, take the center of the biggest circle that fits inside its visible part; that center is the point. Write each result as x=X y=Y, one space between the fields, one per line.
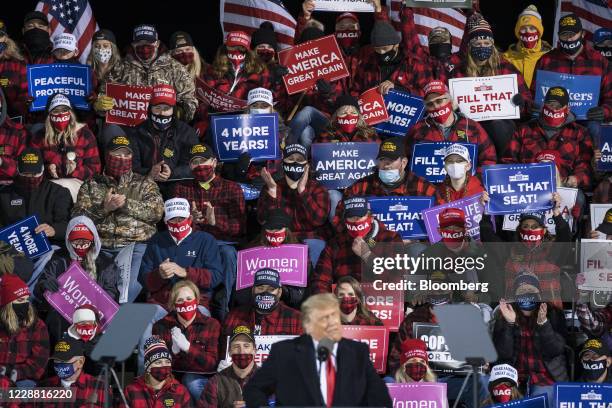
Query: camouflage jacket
x=164 y=70
x=135 y=221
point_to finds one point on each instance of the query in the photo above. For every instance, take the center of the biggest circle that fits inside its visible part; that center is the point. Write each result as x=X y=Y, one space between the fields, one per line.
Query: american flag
x=71 y=16
x=247 y=15
x=427 y=18
x=594 y=14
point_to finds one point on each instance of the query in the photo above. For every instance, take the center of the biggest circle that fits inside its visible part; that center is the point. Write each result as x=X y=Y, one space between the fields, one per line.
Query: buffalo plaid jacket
x=202 y=333
x=283 y=320
x=12 y=142
x=446 y=193
x=14 y=83
x=420 y=314
x=588 y=62
x=88 y=392
x=572 y=141
x=228 y=200
x=26 y=351
x=159 y=288
x=172 y=394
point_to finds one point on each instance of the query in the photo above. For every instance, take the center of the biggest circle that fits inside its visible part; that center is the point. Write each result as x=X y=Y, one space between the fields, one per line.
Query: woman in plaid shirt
x=353 y=310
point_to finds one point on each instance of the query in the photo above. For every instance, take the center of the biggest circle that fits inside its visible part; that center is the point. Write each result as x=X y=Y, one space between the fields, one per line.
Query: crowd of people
x=153 y=215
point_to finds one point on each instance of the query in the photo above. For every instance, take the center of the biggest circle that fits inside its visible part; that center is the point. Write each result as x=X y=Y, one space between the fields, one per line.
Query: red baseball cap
x=413 y=348
x=238 y=39
x=163 y=94
x=452 y=216
x=548 y=155
x=12 y=288
x=80 y=231
x=347 y=15
x=436 y=86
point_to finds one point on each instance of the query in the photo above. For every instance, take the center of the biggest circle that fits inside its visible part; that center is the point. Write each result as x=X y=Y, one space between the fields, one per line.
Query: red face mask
x=554 y=117
x=348 y=38
x=117 y=166
x=81 y=249
x=160 y=373
x=348 y=304
x=236 y=57
x=60 y=121
x=531 y=237
x=276 y=239
x=359 y=228
x=242 y=361
x=29 y=183
x=184 y=58
x=86 y=331
x=145 y=52
x=502 y=393
x=348 y=123
x=265 y=54
x=416 y=371
x=180 y=230
x=529 y=40
x=187 y=310
x=203 y=172
x=442 y=114
x=452 y=239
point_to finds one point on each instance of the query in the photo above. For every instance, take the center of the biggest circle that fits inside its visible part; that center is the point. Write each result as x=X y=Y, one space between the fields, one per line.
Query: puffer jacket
x=525 y=59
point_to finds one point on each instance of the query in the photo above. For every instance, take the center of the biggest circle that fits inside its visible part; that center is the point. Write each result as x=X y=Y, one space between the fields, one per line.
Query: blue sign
x=402 y=214
x=583 y=395
x=338 y=165
x=605 y=145
x=404 y=111
x=519 y=188
x=22 y=237
x=539 y=401
x=583 y=90
x=72 y=80
x=428 y=159
x=255 y=134
x=250 y=192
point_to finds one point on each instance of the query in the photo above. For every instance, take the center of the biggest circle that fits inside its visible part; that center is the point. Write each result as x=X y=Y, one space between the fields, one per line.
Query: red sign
x=310 y=61
x=131 y=104
x=376 y=338
x=372 y=107
x=218 y=100
x=387 y=305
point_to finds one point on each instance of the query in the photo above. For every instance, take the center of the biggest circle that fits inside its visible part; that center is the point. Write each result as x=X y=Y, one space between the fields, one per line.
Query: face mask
x=236 y=58
x=481 y=53
x=605 y=51
x=81 y=249
x=529 y=40
x=442 y=114
x=29 y=183
x=348 y=38
x=570 y=47
x=276 y=239
x=117 y=166
x=455 y=171
x=265 y=54
x=501 y=393
x=64 y=370
x=531 y=237
x=145 y=52
x=348 y=123
x=86 y=331
x=203 y=172
x=160 y=373
x=265 y=302
x=452 y=239
x=103 y=54
x=21 y=310
x=389 y=176
x=348 y=304
x=3 y=47
x=528 y=302
x=554 y=117
x=387 y=58
x=187 y=310
x=359 y=228
x=185 y=58
x=161 y=122
x=36 y=40
x=416 y=371
x=436 y=300
x=256 y=111
x=60 y=121
x=294 y=170
x=441 y=50
x=179 y=230
x=593 y=369
x=241 y=360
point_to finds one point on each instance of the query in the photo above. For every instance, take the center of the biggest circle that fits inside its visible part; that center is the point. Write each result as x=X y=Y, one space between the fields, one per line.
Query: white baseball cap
x=503 y=372
x=176 y=207
x=65 y=41
x=59 y=100
x=260 y=95
x=459 y=150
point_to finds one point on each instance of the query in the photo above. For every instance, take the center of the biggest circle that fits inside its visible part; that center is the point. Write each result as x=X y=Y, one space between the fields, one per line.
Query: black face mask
x=21 y=310
x=36 y=40
x=161 y=122
x=592 y=370
x=294 y=170
x=570 y=47
x=388 y=58
x=441 y=51
x=265 y=302
x=605 y=51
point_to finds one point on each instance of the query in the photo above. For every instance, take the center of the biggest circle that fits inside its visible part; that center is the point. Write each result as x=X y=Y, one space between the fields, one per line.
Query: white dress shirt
x=322 y=368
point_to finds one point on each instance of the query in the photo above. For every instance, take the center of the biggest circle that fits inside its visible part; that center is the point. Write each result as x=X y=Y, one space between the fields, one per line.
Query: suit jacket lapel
x=344 y=368
x=305 y=356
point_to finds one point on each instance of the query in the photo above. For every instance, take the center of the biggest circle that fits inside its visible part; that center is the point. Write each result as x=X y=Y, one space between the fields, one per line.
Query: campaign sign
x=386 y=304
x=605 y=145
x=598 y=213
x=519 y=188
x=338 y=165
x=583 y=395
x=539 y=401
x=291 y=262
x=422 y=394
x=402 y=214
x=372 y=107
x=466 y=4
x=473 y=214
x=486 y=98
x=596 y=264
x=404 y=111
x=77 y=288
x=583 y=90
x=217 y=100
x=568 y=200
x=428 y=159
x=437 y=350
x=355 y=6
x=311 y=61
x=256 y=134
x=131 y=104
x=22 y=237
x=263 y=346
x=46 y=80
x=376 y=337
x=250 y=192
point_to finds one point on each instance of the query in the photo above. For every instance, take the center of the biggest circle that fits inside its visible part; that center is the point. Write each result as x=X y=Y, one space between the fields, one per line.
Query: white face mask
x=257 y=111
x=103 y=54
x=456 y=171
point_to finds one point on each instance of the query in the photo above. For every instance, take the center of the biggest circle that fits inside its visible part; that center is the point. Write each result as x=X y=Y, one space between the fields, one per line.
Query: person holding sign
x=596 y=361
x=414 y=363
x=65 y=48
x=602 y=42
x=13 y=76
x=459 y=182
x=347 y=124
x=503 y=385
x=353 y=310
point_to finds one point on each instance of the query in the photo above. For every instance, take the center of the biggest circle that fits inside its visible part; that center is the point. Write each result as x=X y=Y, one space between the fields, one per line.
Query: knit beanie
x=481 y=30
x=529 y=16
x=264 y=35
x=384 y=34
x=155 y=349
x=12 y=288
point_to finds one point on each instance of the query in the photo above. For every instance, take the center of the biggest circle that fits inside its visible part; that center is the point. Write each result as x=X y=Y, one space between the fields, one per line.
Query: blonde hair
x=10 y=321
x=195 y=68
x=221 y=64
x=185 y=283
x=318 y=302
x=95 y=64
x=68 y=136
x=401 y=376
x=490 y=68
x=12 y=51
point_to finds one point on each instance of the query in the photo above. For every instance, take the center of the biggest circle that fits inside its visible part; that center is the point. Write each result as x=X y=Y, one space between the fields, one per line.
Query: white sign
x=598 y=212
x=568 y=200
x=356 y=6
x=486 y=98
x=596 y=264
x=263 y=344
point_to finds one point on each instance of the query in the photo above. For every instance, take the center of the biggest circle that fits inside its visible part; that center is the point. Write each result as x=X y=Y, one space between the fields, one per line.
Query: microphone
x=324 y=349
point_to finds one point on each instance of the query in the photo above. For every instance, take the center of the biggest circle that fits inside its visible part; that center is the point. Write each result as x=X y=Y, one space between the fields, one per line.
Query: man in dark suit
x=299 y=375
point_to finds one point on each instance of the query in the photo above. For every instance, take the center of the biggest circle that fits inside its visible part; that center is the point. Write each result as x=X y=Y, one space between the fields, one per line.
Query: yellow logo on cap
x=198 y=149
x=242 y=330
x=388 y=147
x=30 y=158
x=608 y=216
x=592 y=343
x=557 y=92
x=169 y=402
x=62 y=347
x=168 y=153
x=568 y=21
x=121 y=140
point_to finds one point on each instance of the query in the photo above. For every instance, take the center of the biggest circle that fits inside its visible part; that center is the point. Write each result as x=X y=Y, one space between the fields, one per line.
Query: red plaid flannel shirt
x=159 y=289
x=338 y=259
x=283 y=320
x=363 y=320
x=338 y=136
x=172 y=394
x=588 y=62
x=529 y=362
x=410 y=37
x=244 y=82
x=202 y=333
x=572 y=142
x=86 y=149
x=87 y=394
x=210 y=396
x=27 y=351
x=420 y=314
x=463 y=130
x=14 y=83
x=446 y=193
x=45 y=58
x=13 y=137
x=228 y=200
x=308 y=210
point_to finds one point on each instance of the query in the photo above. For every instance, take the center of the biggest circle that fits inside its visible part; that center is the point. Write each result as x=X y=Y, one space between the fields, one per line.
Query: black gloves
x=277 y=73
x=51 y=284
x=243 y=162
x=596 y=113
x=518 y=100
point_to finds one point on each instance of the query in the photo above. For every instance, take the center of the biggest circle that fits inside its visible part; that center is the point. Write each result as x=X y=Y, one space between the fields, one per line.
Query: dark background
x=201 y=18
